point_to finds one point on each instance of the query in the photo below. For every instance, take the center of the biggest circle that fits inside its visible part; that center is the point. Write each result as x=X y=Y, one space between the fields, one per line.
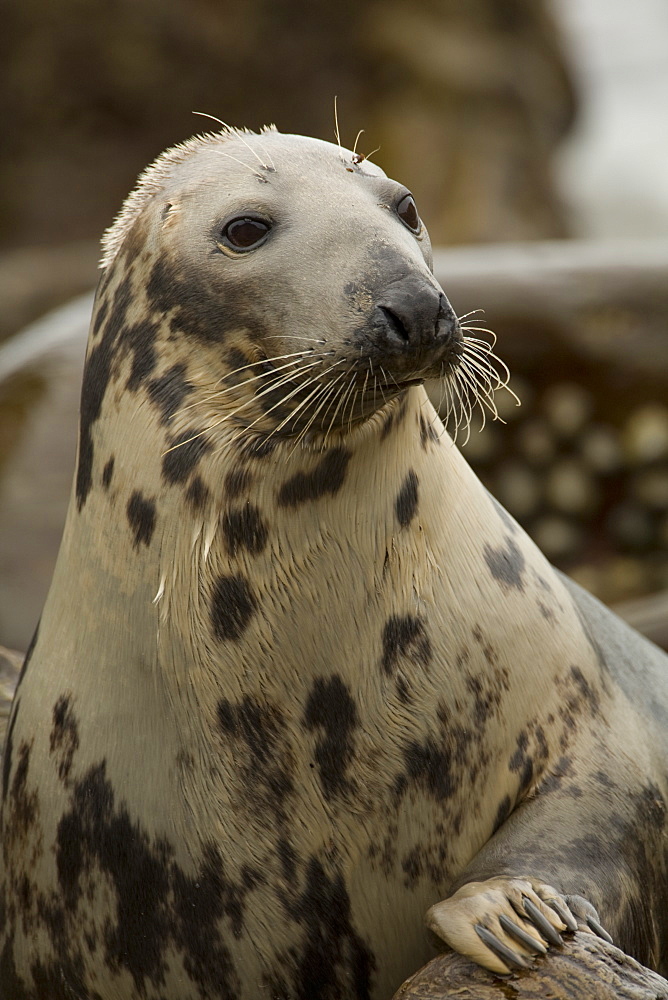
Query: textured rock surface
x=586 y=968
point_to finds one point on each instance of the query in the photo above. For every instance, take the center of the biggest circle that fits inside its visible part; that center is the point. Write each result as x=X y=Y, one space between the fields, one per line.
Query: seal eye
x=408 y=213
x=245 y=232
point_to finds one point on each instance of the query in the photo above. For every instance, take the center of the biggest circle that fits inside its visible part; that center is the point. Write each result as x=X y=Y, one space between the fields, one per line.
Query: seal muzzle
x=415 y=327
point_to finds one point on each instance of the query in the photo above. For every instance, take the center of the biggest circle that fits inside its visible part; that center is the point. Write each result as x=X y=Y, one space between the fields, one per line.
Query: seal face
x=298 y=679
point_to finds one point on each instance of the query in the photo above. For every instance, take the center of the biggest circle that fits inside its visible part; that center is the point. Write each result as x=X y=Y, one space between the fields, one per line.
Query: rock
x=586 y=968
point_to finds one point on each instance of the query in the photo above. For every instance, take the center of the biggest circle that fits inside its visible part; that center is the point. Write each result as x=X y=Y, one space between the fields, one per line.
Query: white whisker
x=255 y=173
x=238 y=134
x=472 y=312
x=337 y=131
x=213 y=395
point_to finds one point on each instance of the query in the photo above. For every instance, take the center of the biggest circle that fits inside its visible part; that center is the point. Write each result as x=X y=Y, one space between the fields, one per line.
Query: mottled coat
x=289 y=690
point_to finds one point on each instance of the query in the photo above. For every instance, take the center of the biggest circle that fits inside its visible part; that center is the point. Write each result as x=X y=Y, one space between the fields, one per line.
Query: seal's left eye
x=408 y=213
x=244 y=233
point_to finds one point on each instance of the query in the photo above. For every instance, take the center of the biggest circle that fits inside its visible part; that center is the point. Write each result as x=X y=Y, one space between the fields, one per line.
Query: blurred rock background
x=514 y=122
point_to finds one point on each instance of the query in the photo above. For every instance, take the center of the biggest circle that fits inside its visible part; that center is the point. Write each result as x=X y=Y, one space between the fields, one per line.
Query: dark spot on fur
x=108 y=472
x=502 y=813
x=186 y=450
x=326 y=479
x=244 y=529
x=522 y=762
x=64 y=739
x=388 y=423
x=100 y=316
x=412 y=867
x=237 y=482
x=427 y=432
x=405 y=636
x=486 y=694
x=589 y=695
x=197 y=493
x=134 y=242
x=578 y=697
x=97 y=372
x=117 y=339
x=403 y=691
x=542 y=751
x=140 y=338
x=169 y=391
x=257 y=446
x=330 y=707
x=407 y=500
x=141 y=518
x=195 y=310
x=24 y=806
x=331 y=960
x=429 y=765
x=426 y=860
x=395 y=417
x=276 y=398
x=288 y=859
x=158 y=907
x=237 y=360
x=232 y=607
x=9 y=738
x=506 y=565
x=57 y=980
x=260 y=728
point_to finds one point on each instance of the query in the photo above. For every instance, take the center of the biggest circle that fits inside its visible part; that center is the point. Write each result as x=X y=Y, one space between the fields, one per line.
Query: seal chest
x=285 y=693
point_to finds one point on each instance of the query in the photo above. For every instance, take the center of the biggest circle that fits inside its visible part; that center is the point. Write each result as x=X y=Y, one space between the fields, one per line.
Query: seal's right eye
x=245 y=232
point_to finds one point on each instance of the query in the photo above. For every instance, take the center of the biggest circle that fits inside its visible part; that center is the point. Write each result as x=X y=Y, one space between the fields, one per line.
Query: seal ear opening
x=169 y=214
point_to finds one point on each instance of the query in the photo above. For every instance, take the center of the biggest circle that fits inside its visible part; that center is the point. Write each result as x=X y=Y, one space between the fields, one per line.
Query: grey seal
x=299 y=680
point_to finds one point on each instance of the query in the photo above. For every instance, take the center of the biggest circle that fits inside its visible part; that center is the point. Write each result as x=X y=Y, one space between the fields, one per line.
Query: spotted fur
x=298 y=677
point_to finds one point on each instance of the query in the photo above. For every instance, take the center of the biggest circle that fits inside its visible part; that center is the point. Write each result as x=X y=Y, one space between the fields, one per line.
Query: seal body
x=298 y=678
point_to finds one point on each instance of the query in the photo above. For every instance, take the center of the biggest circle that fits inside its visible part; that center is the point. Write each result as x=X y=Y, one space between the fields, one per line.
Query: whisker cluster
x=474 y=381
x=288 y=372
x=316 y=394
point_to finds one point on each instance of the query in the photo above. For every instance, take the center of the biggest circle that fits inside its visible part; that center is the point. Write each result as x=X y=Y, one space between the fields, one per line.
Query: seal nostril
x=447 y=324
x=395 y=325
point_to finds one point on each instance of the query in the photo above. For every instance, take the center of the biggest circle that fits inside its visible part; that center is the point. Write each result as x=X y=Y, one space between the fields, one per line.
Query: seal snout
x=414 y=320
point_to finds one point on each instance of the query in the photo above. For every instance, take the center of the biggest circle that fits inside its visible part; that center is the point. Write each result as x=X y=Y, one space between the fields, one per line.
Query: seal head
x=306 y=277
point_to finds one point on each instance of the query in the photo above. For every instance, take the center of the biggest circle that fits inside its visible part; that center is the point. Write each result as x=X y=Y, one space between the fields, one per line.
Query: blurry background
x=533 y=134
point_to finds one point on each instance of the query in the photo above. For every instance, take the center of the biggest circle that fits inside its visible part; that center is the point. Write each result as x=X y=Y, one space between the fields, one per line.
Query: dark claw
x=601 y=931
x=543 y=925
x=501 y=950
x=564 y=913
x=521 y=935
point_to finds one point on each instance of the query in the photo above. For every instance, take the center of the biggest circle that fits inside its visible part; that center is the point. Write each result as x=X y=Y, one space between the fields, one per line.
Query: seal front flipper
x=578 y=880
x=502 y=923
x=587 y=917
